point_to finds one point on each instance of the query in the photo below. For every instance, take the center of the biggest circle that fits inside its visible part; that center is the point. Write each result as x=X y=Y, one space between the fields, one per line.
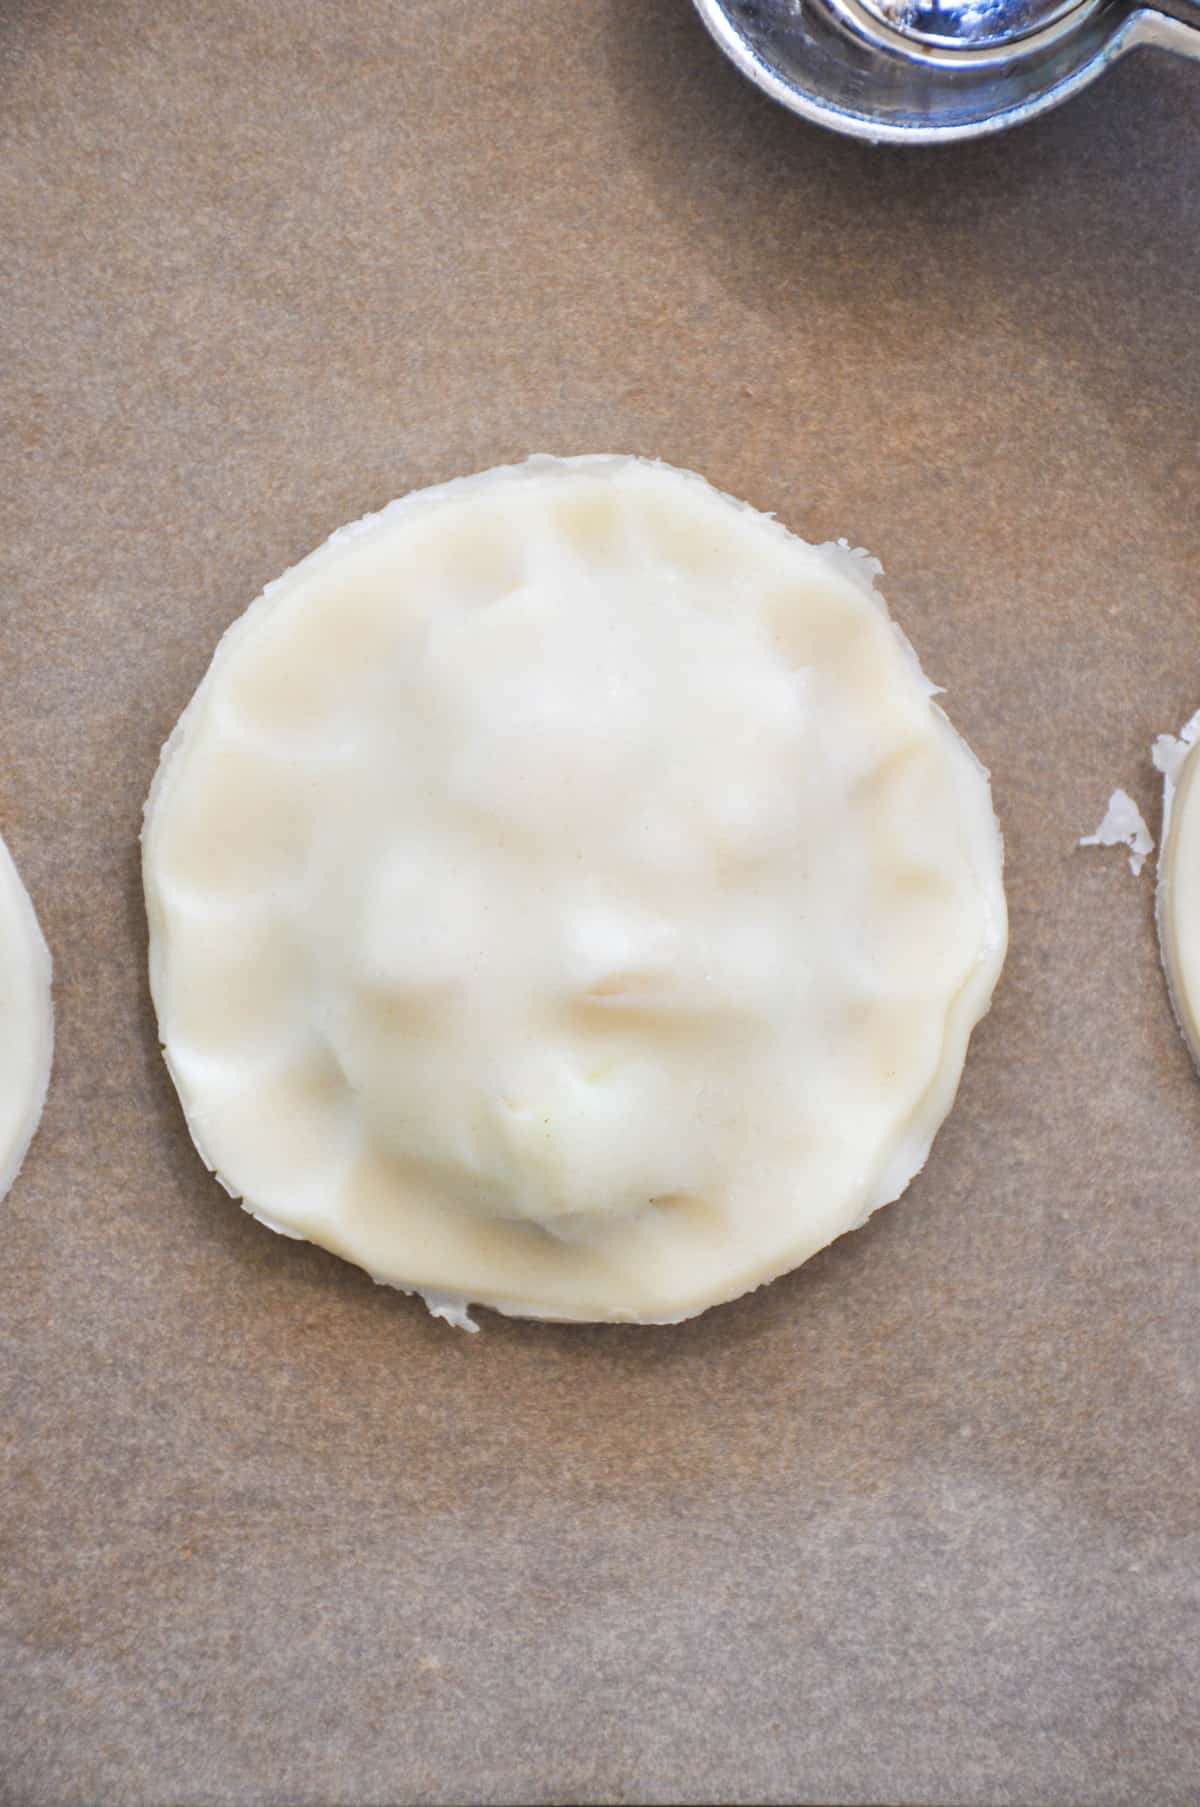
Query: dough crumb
x=1123 y=826
x=1168 y=754
x=450 y=1310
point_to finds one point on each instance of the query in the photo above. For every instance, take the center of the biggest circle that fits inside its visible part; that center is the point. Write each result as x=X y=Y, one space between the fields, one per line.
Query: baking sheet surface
x=918 y=1524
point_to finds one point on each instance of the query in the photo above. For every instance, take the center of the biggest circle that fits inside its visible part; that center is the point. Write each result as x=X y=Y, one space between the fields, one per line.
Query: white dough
x=1178 y=894
x=564 y=895
x=26 y=1021
x=1123 y=825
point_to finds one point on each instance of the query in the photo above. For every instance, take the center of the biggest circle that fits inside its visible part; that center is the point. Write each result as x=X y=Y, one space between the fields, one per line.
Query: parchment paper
x=918 y=1524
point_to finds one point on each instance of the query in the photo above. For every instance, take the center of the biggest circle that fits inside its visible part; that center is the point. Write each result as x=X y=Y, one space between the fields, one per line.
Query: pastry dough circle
x=564 y=895
x=26 y=1021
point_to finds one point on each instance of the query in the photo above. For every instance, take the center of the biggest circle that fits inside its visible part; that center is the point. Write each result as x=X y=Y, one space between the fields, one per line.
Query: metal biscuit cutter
x=930 y=71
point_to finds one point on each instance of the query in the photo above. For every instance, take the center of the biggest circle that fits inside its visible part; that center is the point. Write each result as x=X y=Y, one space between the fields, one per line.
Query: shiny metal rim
x=1137 y=27
x=860 y=17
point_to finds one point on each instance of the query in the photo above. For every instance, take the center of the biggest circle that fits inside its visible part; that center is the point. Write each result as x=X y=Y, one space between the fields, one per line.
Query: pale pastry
x=566 y=896
x=1178 y=893
x=26 y=1021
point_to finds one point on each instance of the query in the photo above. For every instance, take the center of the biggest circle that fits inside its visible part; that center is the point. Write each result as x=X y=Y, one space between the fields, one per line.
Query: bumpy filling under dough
x=26 y=1021
x=565 y=896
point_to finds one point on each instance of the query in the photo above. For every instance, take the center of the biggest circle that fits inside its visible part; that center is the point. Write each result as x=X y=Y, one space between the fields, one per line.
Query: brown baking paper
x=918 y=1524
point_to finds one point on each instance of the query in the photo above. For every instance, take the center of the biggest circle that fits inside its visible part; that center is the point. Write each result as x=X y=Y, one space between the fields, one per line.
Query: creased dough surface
x=26 y=1021
x=564 y=895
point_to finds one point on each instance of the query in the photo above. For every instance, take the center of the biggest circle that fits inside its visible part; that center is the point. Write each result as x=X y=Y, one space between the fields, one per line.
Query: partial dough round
x=1178 y=895
x=565 y=896
x=26 y=1021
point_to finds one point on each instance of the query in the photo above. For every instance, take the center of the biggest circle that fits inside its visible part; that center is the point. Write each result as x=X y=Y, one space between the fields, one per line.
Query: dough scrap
x=26 y=1021
x=1123 y=825
x=565 y=896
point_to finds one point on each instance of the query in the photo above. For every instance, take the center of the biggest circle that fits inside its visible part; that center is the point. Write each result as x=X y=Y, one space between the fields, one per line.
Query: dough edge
x=1171 y=754
x=35 y=951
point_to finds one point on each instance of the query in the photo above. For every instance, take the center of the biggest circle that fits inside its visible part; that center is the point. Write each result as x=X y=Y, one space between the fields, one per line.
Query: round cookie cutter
x=930 y=71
